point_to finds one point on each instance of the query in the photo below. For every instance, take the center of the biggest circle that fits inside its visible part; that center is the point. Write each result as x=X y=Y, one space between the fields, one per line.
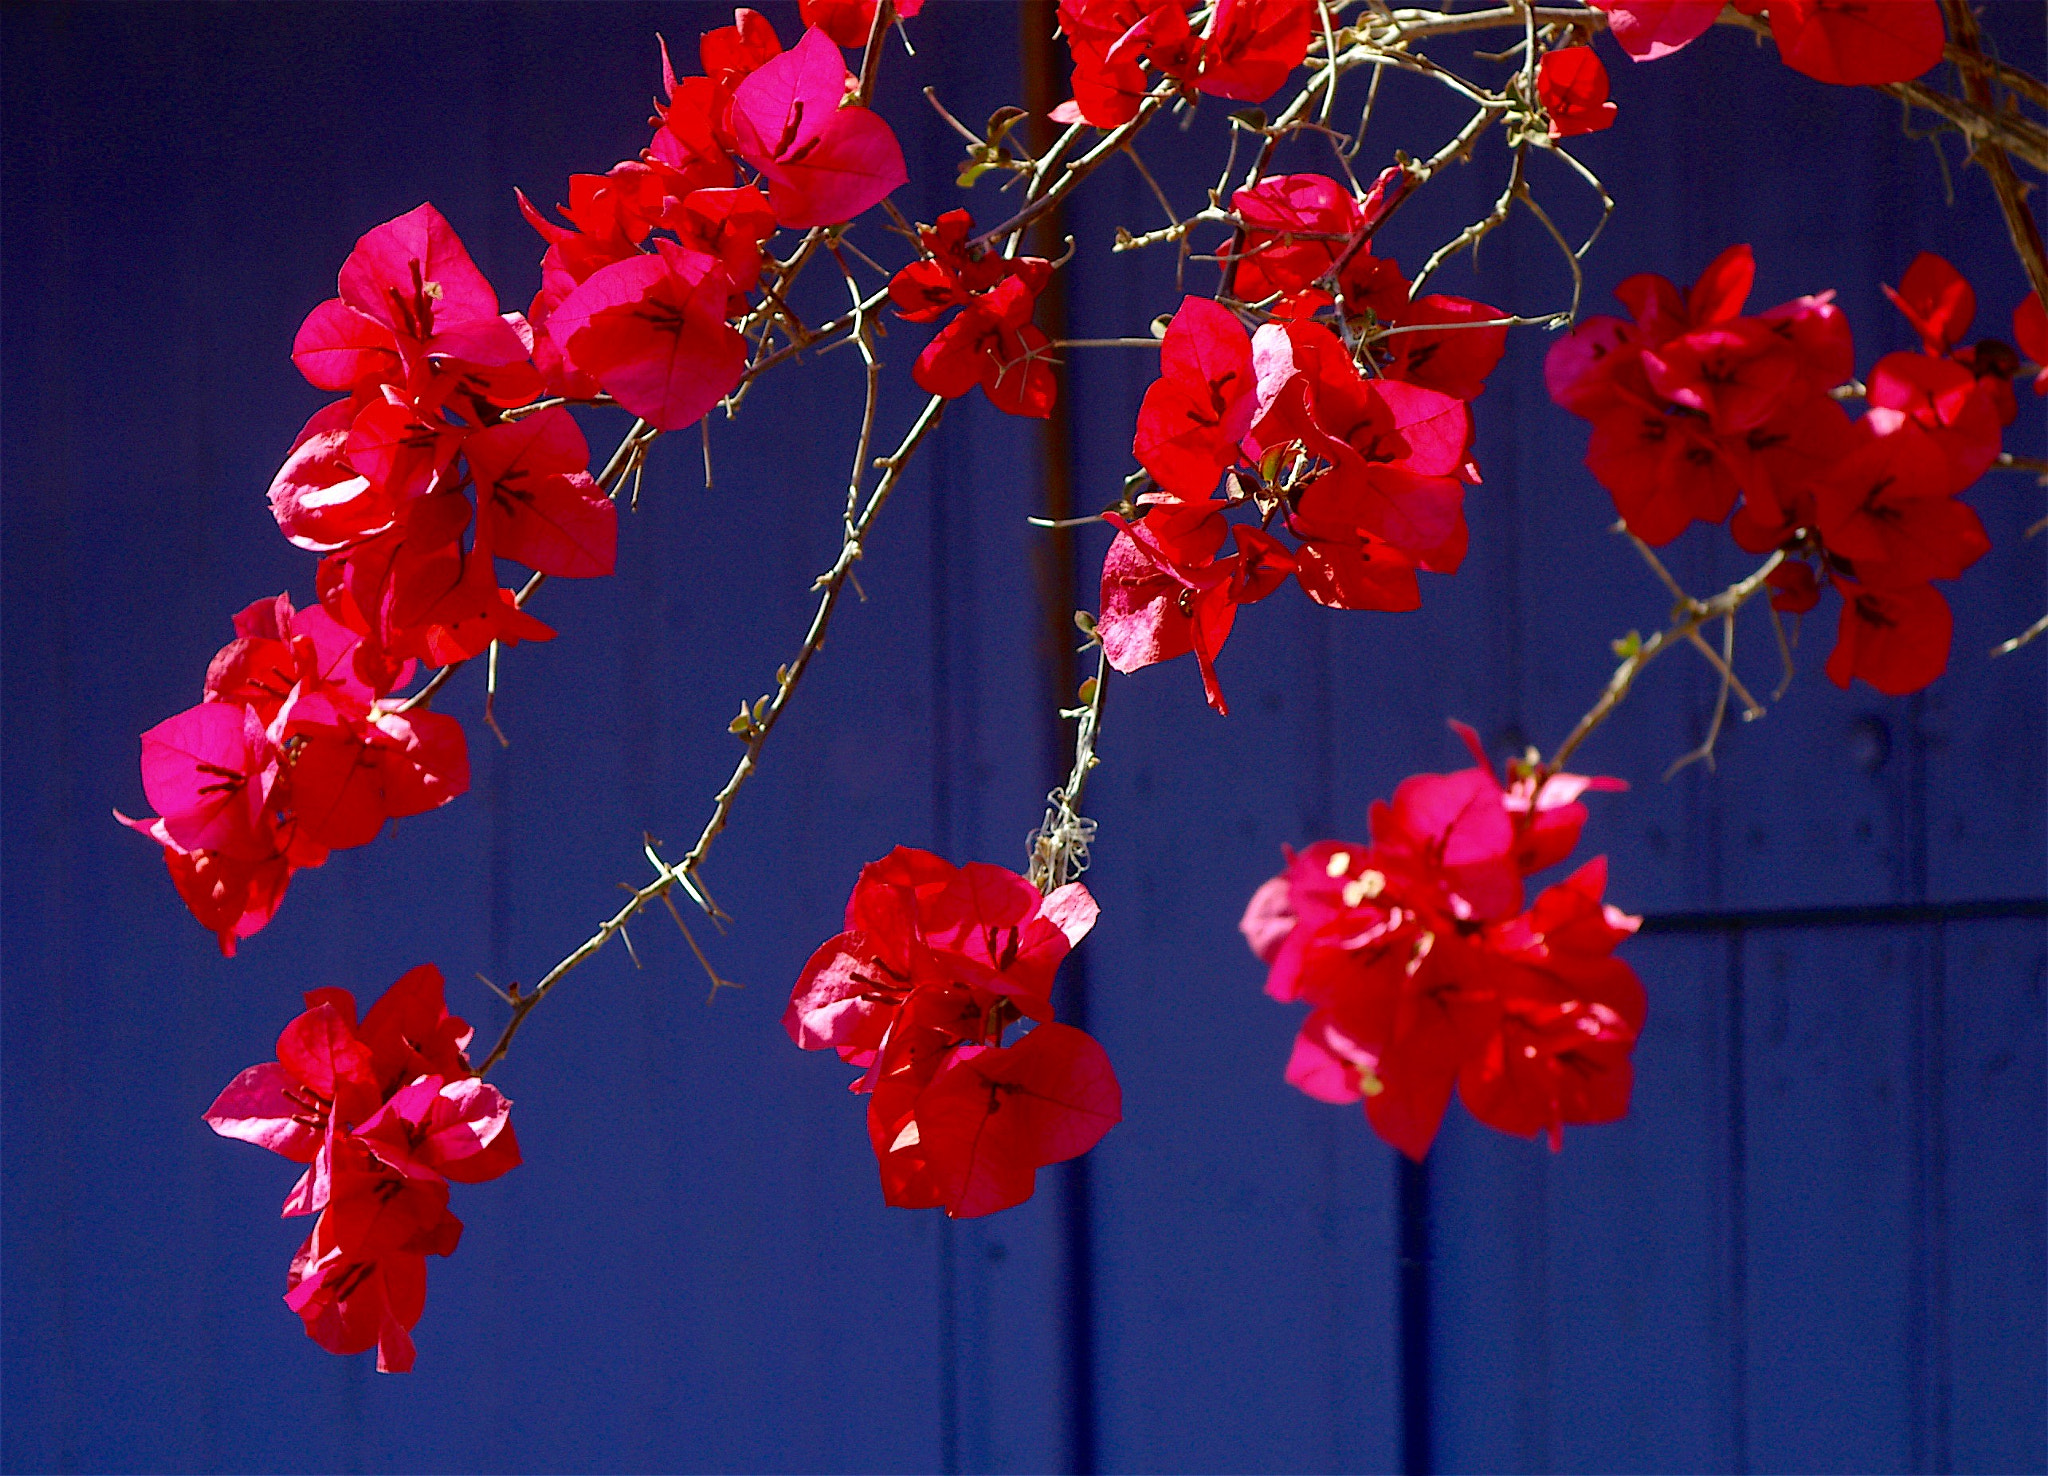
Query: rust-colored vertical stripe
x=1045 y=87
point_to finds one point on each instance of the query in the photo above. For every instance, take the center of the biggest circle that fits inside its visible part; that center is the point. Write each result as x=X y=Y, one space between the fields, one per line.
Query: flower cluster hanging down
x=1365 y=467
x=296 y=751
x=642 y=316
x=385 y=1113
x=1693 y=403
x=936 y=964
x=452 y=450
x=1426 y=973
x=300 y=747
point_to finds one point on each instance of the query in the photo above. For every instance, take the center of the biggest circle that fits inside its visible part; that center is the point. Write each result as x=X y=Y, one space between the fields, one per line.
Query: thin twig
x=1059 y=847
x=1705 y=752
x=717 y=983
x=931 y=95
x=1727 y=602
x=1172 y=215
x=491 y=697
x=1600 y=189
x=863 y=335
x=1047 y=196
x=871 y=57
x=1784 y=653
x=1751 y=708
x=1649 y=556
x=1571 y=257
x=1479 y=230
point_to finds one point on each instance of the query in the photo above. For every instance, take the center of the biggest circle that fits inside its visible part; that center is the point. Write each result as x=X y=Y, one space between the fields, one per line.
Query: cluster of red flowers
x=435 y=443
x=295 y=751
x=643 y=317
x=377 y=482
x=936 y=963
x=992 y=342
x=385 y=1113
x=1425 y=972
x=298 y=747
x=1365 y=466
x=1245 y=52
x=1693 y=402
x=1853 y=43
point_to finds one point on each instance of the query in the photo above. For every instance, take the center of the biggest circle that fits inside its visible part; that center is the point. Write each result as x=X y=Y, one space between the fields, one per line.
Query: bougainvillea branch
x=2012 y=202
x=1693 y=614
x=1048 y=191
x=1312 y=422
x=755 y=723
x=1059 y=847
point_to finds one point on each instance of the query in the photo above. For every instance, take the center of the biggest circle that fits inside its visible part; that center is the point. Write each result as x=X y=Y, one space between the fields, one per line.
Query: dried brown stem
x=1478 y=231
x=1172 y=215
x=2032 y=632
x=1720 y=661
x=2012 y=200
x=1059 y=847
x=1044 y=197
x=1784 y=654
x=1727 y=602
x=864 y=336
x=871 y=57
x=1705 y=752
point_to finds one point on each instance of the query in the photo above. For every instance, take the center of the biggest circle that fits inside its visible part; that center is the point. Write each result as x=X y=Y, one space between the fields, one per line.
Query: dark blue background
x=1817 y=1242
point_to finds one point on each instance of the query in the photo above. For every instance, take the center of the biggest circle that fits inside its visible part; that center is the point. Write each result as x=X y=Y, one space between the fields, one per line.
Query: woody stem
x=829 y=585
x=1059 y=845
x=1682 y=629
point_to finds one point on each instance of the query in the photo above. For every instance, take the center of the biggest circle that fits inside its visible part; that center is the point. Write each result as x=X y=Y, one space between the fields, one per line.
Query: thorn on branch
x=717 y=983
x=1725 y=663
x=1784 y=653
x=2032 y=632
x=491 y=697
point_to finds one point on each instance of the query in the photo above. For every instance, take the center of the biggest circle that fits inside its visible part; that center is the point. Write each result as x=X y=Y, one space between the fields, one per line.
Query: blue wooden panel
x=1993 y=1389
x=1603 y=1275
x=1832 y=1236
